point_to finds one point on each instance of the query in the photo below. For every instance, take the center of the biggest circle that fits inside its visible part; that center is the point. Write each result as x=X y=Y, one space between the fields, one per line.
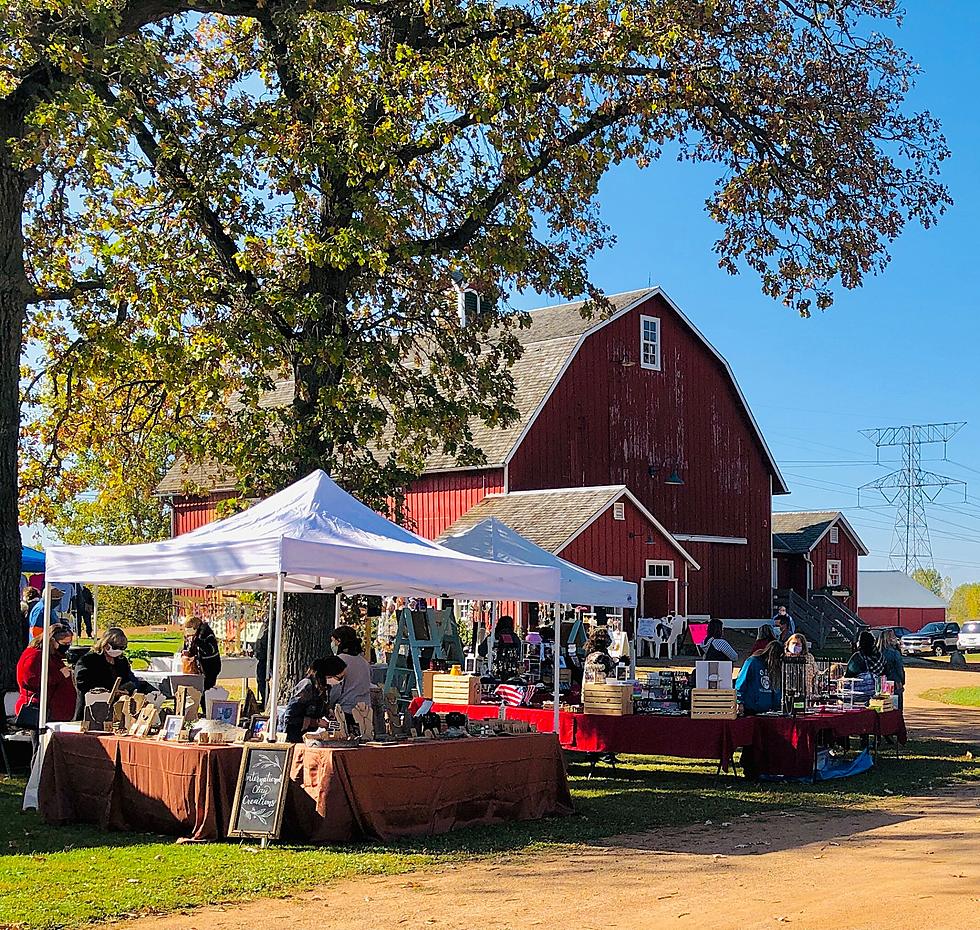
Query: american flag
x=511 y=695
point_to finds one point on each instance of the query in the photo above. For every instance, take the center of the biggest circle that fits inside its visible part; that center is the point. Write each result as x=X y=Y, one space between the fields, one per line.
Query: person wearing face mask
x=103 y=665
x=796 y=645
x=61 y=688
x=307 y=705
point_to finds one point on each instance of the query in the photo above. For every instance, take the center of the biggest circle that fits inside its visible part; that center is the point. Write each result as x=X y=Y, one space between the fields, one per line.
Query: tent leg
x=270 y=646
x=557 y=678
x=276 y=660
x=45 y=656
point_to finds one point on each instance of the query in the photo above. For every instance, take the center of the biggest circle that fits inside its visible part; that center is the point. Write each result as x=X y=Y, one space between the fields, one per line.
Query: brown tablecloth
x=335 y=795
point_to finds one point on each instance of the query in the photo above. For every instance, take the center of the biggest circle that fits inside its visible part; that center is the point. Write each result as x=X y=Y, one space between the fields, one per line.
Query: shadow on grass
x=640 y=795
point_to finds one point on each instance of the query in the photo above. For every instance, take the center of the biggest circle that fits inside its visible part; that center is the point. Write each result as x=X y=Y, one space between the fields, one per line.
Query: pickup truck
x=936 y=639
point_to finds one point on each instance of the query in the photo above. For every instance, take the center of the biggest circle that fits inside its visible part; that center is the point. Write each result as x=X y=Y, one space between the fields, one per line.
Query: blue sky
x=903 y=349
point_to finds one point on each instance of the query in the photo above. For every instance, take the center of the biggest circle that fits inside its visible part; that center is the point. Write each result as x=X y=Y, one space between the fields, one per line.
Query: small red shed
x=605 y=529
x=816 y=551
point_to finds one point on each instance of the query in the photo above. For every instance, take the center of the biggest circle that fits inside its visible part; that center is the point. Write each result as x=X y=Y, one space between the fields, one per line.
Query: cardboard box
x=427 y=676
x=608 y=700
x=714 y=704
x=456 y=689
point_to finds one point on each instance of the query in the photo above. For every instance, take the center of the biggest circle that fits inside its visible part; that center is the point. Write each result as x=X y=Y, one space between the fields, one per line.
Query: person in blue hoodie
x=759 y=682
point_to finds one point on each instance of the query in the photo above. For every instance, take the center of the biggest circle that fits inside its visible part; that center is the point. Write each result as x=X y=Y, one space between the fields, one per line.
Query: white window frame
x=655 y=365
x=840 y=578
x=834 y=535
x=659 y=563
x=619 y=510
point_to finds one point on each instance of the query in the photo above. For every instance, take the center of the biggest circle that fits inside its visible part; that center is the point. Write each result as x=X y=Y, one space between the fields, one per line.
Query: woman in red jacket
x=61 y=687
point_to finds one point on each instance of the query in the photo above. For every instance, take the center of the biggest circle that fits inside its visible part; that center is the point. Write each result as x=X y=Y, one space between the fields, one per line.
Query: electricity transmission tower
x=909 y=488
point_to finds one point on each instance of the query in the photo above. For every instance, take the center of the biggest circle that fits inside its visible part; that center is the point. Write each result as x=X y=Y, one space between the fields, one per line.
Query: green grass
x=964 y=697
x=152 y=644
x=52 y=877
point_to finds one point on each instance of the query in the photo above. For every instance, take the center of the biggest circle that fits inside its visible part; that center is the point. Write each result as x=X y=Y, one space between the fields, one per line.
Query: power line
x=910 y=487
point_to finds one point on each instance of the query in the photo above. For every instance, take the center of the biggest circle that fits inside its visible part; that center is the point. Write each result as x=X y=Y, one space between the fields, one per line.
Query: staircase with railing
x=847 y=624
x=809 y=621
x=822 y=619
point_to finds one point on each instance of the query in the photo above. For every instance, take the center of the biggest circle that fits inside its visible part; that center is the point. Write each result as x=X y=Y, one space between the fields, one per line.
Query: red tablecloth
x=781 y=745
x=787 y=746
x=334 y=795
x=638 y=734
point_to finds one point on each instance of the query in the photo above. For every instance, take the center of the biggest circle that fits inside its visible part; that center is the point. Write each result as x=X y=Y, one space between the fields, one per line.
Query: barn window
x=650 y=343
x=833 y=573
x=834 y=535
x=660 y=569
x=619 y=511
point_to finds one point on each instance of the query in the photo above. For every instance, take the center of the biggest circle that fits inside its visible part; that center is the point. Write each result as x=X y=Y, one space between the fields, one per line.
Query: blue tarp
x=31 y=561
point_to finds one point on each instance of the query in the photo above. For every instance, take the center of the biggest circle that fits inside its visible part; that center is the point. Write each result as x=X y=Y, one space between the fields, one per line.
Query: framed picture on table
x=226 y=712
x=257 y=728
x=172 y=727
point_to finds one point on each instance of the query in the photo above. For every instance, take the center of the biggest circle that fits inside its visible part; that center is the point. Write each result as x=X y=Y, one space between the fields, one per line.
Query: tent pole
x=557 y=657
x=45 y=656
x=270 y=642
x=276 y=660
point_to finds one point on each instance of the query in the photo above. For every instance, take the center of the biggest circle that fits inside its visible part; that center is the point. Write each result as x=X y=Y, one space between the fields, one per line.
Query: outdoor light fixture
x=674 y=478
x=650 y=539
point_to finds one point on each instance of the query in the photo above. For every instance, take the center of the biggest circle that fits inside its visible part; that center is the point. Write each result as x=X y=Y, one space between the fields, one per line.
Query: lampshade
x=674 y=478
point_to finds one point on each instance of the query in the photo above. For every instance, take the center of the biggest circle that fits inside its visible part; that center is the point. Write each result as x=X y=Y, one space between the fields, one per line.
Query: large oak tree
x=228 y=194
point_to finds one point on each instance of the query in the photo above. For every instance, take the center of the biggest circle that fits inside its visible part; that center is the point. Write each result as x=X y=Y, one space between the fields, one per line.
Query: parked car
x=935 y=638
x=969 y=638
x=900 y=632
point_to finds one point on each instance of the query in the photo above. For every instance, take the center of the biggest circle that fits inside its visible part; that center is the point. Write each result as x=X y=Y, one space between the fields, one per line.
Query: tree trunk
x=14 y=291
x=308 y=621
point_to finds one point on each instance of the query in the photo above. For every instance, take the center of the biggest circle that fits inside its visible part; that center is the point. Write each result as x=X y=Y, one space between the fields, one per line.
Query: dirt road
x=901 y=869
x=909 y=866
x=932 y=720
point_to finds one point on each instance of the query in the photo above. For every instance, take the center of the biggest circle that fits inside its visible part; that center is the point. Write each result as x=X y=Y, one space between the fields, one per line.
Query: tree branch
x=68 y=293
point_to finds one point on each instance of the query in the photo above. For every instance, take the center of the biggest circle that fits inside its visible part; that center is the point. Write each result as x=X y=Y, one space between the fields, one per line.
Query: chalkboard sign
x=261 y=791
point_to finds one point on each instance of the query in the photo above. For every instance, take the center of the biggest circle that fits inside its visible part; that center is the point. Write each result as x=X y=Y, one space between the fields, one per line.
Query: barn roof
x=799 y=532
x=209 y=475
x=550 y=343
x=552 y=518
x=894 y=589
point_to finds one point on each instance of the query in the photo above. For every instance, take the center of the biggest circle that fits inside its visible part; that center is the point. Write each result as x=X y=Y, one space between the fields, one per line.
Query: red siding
x=193 y=513
x=607 y=423
x=436 y=502
x=190 y=514
x=847 y=551
x=914 y=618
x=792 y=573
x=606 y=548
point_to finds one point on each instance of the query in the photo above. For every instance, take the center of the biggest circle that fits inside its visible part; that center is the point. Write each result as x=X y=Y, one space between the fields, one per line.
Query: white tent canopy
x=319 y=538
x=493 y=539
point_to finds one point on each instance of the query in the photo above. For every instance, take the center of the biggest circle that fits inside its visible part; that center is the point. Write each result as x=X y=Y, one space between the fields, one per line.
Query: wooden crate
x=713 y=704
x=456 y=689
x=608 y=700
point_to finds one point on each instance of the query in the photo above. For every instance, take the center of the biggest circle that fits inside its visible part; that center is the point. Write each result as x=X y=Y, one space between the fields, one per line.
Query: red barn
x=817 y=551
x=643 y=401
x=639 y=401
x=892 y=598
